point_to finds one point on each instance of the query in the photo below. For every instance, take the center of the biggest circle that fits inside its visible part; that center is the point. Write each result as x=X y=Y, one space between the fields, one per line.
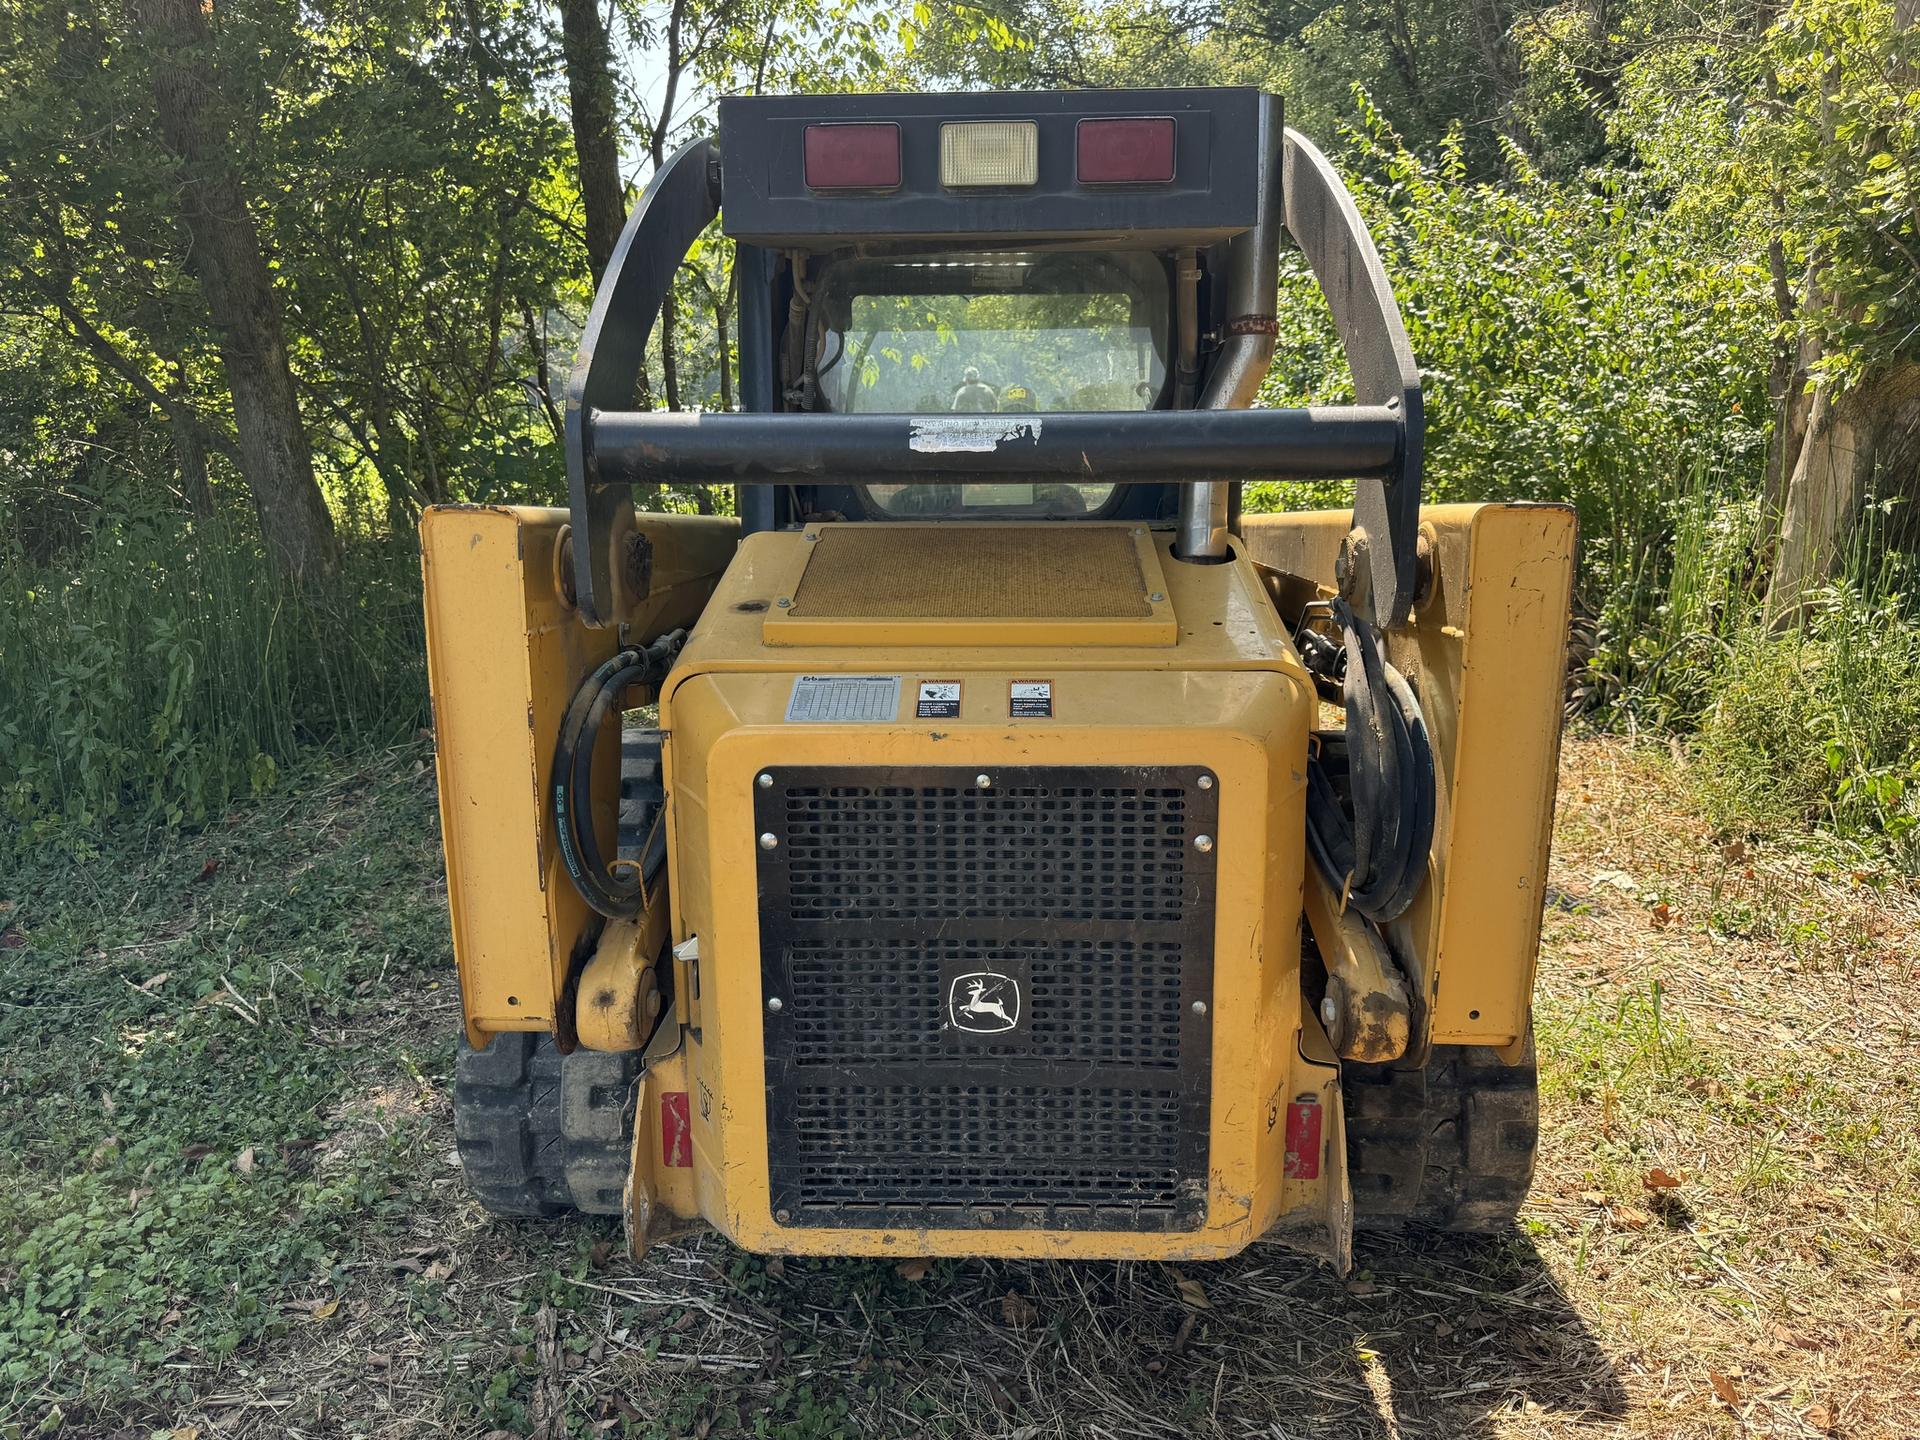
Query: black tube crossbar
x=1376 y=442
x=648 y=447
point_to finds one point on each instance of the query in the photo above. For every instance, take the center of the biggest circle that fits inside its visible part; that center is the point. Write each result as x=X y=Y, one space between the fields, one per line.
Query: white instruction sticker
x=978 y=434
x=938 y=700
x=844 y=698
x=1030 y=700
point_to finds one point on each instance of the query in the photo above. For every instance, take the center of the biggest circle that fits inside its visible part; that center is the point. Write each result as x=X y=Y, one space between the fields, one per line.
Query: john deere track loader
x=1034 y=855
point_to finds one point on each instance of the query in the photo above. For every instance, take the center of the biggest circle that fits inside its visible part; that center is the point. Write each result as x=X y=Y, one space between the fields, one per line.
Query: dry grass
x=1737 y=1021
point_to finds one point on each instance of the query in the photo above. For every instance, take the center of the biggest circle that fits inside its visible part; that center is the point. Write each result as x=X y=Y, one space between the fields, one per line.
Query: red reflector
x=676 y=1130
x=1303 y=1140
x=853 y=157
x=1124 y=152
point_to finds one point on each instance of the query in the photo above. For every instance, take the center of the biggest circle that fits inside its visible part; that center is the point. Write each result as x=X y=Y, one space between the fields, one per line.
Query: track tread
x=540 y=1133
x=1450 y=1146
x=642 y=794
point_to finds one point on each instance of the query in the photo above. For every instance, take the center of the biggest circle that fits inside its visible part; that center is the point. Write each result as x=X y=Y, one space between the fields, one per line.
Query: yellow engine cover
x=990 y=955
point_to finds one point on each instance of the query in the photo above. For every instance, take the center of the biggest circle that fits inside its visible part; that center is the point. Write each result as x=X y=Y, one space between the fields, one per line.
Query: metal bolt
x=1206 y=782
x=775 y=1004
x=1199 y=1007
x=985 y=782
x=765 y=782
x=1156 y=597
x=1203 y=843
x=769 y=841
x=783 y=602
x=813 y=535
x=783 y=1216
x=1329 y=1012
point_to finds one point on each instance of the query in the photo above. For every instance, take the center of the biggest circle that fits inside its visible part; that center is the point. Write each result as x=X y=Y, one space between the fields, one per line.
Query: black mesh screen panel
x=994 y=1000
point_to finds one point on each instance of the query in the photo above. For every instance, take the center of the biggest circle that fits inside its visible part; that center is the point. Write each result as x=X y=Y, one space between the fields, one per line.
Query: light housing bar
x=1124 y=150
x=861 y=156
x=982 y=153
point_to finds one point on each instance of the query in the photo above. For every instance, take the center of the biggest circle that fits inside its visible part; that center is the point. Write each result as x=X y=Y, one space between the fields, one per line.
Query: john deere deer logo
x=984 y=1002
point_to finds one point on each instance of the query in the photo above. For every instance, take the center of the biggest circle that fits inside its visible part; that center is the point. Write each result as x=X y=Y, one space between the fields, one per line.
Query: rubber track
x=540 y=1133
x=1450 y=1146
x=642 y=793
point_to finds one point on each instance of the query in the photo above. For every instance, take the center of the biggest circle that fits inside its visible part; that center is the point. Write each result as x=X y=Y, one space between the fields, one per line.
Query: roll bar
x=1377 y=441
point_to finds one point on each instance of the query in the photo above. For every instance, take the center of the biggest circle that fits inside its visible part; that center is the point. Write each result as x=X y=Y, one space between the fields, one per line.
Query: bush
x=1571 y=348
x=1575 y=347
x=1821 y=726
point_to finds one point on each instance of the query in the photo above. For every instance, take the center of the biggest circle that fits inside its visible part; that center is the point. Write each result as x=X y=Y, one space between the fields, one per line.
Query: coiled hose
x=617 y=893
x=1370 y=791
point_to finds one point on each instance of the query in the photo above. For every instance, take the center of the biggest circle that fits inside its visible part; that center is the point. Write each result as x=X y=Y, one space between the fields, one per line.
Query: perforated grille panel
x=882 y=1002
x=994 y=1001
x=1019 y=851
x=1115 y=1156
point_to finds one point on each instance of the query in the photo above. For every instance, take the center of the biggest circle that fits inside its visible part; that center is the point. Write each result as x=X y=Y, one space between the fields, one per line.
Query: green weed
x=181 y=1030
x=156 y=667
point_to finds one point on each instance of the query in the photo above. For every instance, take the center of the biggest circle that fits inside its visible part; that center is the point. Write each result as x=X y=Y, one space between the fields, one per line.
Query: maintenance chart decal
x=856 y=699
x=939 y=700
x=1030 y=700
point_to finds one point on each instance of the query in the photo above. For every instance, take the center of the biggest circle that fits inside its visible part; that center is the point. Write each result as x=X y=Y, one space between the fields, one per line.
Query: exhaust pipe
x=1246 y=343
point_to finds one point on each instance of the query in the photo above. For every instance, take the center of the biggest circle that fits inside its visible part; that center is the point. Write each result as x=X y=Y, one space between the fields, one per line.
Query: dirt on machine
x=1033 y=854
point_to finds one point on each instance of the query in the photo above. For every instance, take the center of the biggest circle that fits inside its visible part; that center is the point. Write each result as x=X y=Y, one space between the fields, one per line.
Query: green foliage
x=1591 y=221
x=413 y=197
x=183 y=1024
x=1819 y=726
x=157 y=667
x=1801 y=137
x=1571 y=350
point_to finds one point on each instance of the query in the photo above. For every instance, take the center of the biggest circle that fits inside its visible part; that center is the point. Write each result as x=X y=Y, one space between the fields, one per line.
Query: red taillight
x=853 y=157
x=676 y=1130
x=1124 y=152
x=1303 y=1141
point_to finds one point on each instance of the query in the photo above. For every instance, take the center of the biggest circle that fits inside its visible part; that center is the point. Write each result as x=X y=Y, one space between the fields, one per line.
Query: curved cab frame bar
x=681 y=202
x=1377 y=441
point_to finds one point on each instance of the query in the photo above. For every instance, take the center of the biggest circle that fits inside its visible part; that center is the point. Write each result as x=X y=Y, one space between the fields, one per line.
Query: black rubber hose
x=1371 y=841
x=570 y=785
x=560 y=792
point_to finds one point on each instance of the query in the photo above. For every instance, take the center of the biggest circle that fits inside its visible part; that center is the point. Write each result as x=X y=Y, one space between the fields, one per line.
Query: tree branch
x=81 y=328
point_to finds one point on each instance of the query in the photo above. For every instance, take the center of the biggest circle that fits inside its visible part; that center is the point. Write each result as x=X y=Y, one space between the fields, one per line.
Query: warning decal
x=1031 y=700
x=844 y=699
x=939 y=700
x=977 y=434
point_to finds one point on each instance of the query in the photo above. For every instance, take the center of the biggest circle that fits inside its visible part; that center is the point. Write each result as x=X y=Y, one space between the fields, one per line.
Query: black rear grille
x=1019 y=851
x=875 y=1002
x=1078 y=904
x=1113 y=1151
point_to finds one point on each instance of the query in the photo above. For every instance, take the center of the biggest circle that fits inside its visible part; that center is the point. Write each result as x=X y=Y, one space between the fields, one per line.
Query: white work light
x=996 y=152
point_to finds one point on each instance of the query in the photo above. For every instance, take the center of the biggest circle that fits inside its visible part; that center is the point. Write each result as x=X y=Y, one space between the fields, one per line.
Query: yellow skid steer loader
x=1034 y=855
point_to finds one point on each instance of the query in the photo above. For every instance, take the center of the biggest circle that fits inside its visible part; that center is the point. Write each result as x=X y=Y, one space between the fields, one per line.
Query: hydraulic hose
x=570 y=785
x=1370 y=791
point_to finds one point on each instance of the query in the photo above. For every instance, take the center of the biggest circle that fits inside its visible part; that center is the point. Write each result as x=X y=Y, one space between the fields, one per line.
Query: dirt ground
x=1724 y=1235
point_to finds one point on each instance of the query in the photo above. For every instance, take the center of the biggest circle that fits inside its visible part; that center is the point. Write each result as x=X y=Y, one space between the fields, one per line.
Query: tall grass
x=156 y=667
x=1817 y=725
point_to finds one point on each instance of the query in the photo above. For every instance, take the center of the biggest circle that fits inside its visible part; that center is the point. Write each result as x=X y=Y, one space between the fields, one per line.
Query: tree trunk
x=669 y=359
x=1848 y=449
x=231 y=265
x=596 y=142
x=190 y=455
x=1792 y=397
x=1492 y=25
x=1862 y=445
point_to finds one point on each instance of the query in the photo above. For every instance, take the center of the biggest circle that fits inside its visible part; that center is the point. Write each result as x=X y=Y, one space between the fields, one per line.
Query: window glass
x=992 y=334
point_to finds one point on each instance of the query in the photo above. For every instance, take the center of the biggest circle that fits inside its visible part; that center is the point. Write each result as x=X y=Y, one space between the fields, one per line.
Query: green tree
x=228 y=255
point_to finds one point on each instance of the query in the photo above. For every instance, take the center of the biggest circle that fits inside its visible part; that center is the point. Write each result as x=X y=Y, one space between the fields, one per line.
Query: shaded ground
x=230 y=1208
